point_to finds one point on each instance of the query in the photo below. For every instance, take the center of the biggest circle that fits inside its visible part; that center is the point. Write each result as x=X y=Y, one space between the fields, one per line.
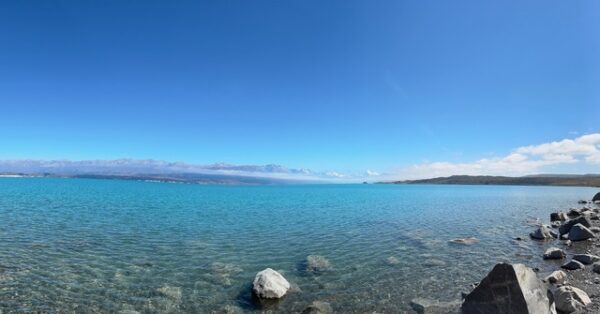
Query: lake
x=84 y=245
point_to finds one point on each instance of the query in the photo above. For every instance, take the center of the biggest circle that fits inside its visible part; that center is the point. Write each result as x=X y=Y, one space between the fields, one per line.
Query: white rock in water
x=554 y=253
x=269 y=284
x=570 y=299
x=580 y=232
x=557 y=277
x=509 y=289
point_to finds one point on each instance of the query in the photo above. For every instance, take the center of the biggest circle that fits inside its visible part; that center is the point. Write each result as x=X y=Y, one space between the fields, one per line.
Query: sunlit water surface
x=77 y=245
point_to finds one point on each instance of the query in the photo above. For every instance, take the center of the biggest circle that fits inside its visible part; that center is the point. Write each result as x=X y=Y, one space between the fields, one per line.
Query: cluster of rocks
x=517 y=289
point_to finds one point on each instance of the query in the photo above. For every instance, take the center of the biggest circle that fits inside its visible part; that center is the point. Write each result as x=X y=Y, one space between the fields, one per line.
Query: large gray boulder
x=570 y=299
x=579 y=233
x=566 y=227
x=509 y=289
x=269 y=284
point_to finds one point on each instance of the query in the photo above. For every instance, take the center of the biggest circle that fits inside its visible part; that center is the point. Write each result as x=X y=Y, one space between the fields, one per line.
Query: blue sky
x=344 y=86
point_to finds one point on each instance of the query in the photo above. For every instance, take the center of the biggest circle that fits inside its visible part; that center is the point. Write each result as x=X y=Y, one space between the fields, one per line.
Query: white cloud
x=373 y=173
x=521 y=161
x=334 y=174
x=582 y=152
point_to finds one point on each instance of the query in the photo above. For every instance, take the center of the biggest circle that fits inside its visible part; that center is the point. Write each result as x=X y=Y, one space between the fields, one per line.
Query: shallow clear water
x=78 y=245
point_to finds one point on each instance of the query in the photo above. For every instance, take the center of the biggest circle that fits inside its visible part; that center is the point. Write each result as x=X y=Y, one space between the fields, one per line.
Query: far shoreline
x=259 y=181
x=587 y=180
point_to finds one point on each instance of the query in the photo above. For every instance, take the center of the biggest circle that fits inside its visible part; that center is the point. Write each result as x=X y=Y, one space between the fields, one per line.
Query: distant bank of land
x=592 y=180
x=190 y=178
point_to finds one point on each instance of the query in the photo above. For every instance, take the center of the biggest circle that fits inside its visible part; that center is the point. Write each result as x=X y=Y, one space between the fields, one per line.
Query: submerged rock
x=573 y=265
x=465 y=241
x=269 y=284
x=392 y=260
x=566 y=226
x=556 y=277
x=509 y=289
x=173 y=293
x=222 y=273
x=579 y=233
x=229 y=309
x=317 y=263
x=428 y=306
x=318 y=307
x=542 y=233
x=586 y=259
x=570 y=299
x=554 y=253
x=434 y=262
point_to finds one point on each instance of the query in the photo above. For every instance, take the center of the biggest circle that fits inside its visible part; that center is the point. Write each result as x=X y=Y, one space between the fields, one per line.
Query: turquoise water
x=82 y=245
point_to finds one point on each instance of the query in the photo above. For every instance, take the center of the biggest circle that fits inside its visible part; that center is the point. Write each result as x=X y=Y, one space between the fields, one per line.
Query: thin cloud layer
x=150 y=166
x=137 y=166
x=582 y=151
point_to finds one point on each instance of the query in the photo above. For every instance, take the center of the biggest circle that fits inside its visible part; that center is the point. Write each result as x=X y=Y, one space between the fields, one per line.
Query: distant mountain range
x=545 y=179
x=157 y=170
x=192 y=178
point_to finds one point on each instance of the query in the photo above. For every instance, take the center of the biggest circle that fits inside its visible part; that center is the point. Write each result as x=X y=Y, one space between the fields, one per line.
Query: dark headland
x=592 y=180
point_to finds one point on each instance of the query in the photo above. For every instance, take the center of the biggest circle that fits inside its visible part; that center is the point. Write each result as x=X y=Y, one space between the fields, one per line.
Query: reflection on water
x=75 y=245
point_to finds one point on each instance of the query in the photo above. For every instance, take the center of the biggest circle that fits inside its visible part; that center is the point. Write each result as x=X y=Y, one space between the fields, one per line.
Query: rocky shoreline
x=587 y=251
x=573 y=286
